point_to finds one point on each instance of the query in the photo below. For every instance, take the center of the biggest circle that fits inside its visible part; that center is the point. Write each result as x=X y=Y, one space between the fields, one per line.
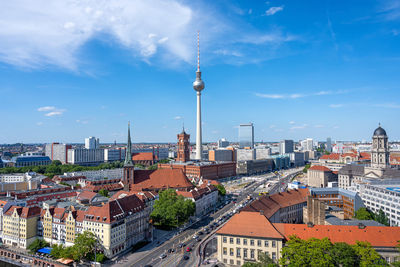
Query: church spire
x=128 y=154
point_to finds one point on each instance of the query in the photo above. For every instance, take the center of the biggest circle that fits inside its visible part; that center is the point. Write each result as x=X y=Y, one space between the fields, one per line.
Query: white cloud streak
x=273 y=10
x=51 y=111
x=299 y=95
x=336 y=105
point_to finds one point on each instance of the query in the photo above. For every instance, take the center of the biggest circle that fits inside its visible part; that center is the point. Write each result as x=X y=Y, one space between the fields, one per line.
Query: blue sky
x=296 y=69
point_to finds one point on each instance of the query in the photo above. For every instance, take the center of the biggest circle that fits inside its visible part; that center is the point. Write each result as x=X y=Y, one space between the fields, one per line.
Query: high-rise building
x=92 y=143
x=246 y=135
x=307 y=144
x=198 y=86
x=328 y=144
x=222 y=143
x=183 y=146
x=286 y=146
x=57 y=151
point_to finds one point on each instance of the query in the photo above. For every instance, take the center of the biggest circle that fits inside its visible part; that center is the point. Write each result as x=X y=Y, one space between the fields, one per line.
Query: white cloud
x=273 y=96
x=274 y=9
x=227 y=52
x=44 y=32
x=387 y=105
x=178 y=118
x=53 y=111
x=319 y=126
x=39 y=123
x=336 y=105
x=299 y=127
x=47 y=108
x=291 y=122
x=272 y=126
x=82 y=121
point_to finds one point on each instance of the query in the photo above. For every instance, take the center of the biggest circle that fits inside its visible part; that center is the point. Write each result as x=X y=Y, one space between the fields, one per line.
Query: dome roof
x=379 y=131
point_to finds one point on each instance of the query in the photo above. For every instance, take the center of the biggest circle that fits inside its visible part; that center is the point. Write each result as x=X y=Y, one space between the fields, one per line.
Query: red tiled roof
x=85 y=194
x=199 y=193
x=271 y=204
x=160 y=179
x=365 y=155
x=24 y=212
x=143 y=156
x=320 y=168
x=114 y=210
x=378 y=236
x=333 y=156
x=251 y=224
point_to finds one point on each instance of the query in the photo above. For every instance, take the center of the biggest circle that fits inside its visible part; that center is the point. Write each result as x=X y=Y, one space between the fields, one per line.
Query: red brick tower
x=183 y=146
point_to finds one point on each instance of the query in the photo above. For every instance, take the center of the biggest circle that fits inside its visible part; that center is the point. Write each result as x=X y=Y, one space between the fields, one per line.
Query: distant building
x=183 y=153
x=263 y=152
x=246 y=135
x=111 y=154
x=222 y=143
x=144 y=158
x=1 y=163
x=307 y=144
x=26 y=161
x=85 y=157
x=328 y=144
x=245 y=154
x=249 y=167
x=319 y=176
x=297 y=159
x=20 y=181
x=286 y=146
x=92 y=143
x=57 y=151
x=221 y=155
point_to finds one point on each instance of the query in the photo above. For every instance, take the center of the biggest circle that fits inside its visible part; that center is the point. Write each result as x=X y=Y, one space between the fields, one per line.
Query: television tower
x=198 y=86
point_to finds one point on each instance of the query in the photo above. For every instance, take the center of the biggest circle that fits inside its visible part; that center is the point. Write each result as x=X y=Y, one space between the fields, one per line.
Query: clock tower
x=183 y=147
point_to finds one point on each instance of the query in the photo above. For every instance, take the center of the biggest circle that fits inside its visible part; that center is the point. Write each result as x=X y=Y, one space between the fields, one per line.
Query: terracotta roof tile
x=143 y=156
x=160 y=179
x=378 y=236
x=251 y=224
x=320 y=168
x=333 y=156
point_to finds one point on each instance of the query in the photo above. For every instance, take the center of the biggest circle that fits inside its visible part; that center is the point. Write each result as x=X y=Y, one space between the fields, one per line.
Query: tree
x=56 y=163
x=171 y=210
x=263 y=261
x=367 y=255
x=57 y=251
x=103 y=192
x=381 y=217
x=344 y=255
x=84 y=244
x=37 y=244
x=153 y=167
x=363 y=214
x=221 y=189
x=306 y=168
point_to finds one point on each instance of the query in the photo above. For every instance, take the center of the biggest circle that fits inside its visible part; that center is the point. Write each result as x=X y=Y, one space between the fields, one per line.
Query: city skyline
x=295 y=71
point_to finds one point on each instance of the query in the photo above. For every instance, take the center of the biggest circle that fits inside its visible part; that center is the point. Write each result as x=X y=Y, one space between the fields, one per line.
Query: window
x=225 y=251
x=273 y=255
x=244 y=241
x=239 y=263
x=225 y=261
x=252 y=253
x=259 y=243
x=231 y=262
x=238 y=252
x=231 y=252
x=231 y=240
x=273 y=244
x=251 y=242
x=238 y=241
x=245 y=253
x=224 y=239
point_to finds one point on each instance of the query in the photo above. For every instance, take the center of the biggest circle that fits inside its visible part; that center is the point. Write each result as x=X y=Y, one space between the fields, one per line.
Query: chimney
x=310 y=224
x=261 y=212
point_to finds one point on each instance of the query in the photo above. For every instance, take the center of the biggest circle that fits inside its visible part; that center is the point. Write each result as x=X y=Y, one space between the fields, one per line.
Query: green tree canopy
x=363 y=214
x=84 y=244
x=221 y=189
x=37 y=244
x=381 y=217
x=367 y=255
x=306 y=168
x=263 y=261
x=344 y=255
x=171 y=210
x=103 y=192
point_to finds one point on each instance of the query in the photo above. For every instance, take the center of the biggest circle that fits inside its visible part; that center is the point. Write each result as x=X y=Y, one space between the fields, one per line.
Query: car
x=148 y=265
x=195 y=236
x=163 y=256
x=188 y=249
x=185 y=257
x=181 y=245
x=171 y=250
x=200 y=233
x=198 y=239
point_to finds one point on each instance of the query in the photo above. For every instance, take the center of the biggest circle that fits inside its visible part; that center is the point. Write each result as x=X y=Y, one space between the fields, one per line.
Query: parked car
x=185 y=257
x=163 y=256
x=188 y=249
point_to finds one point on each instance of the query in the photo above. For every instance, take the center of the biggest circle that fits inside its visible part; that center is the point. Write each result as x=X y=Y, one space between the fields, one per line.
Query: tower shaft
x=199 y=148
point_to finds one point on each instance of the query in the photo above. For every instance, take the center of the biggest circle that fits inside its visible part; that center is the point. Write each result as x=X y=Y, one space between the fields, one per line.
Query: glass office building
x=246 y=135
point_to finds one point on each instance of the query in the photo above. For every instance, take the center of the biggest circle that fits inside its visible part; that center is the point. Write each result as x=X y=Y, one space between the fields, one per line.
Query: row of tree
x=322 y=252
x=366 y=214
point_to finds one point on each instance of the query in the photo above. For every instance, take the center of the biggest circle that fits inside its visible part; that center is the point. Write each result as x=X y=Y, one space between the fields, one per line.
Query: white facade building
x=82 y=156
x=307 y=144
x=111 y=155
x=92 y=143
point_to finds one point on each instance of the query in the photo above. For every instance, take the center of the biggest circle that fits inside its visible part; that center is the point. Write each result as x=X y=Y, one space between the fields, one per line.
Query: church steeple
x=128 y=153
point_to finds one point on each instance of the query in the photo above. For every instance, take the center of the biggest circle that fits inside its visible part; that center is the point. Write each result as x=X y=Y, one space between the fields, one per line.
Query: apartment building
x=205 y=197
x=19 y=226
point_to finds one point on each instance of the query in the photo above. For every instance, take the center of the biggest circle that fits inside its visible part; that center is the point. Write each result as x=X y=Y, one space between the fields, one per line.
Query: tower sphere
x=198 y=85
x=380 y=131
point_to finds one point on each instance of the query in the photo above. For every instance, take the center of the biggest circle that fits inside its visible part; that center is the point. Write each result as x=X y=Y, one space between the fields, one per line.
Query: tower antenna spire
x=198 y=50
